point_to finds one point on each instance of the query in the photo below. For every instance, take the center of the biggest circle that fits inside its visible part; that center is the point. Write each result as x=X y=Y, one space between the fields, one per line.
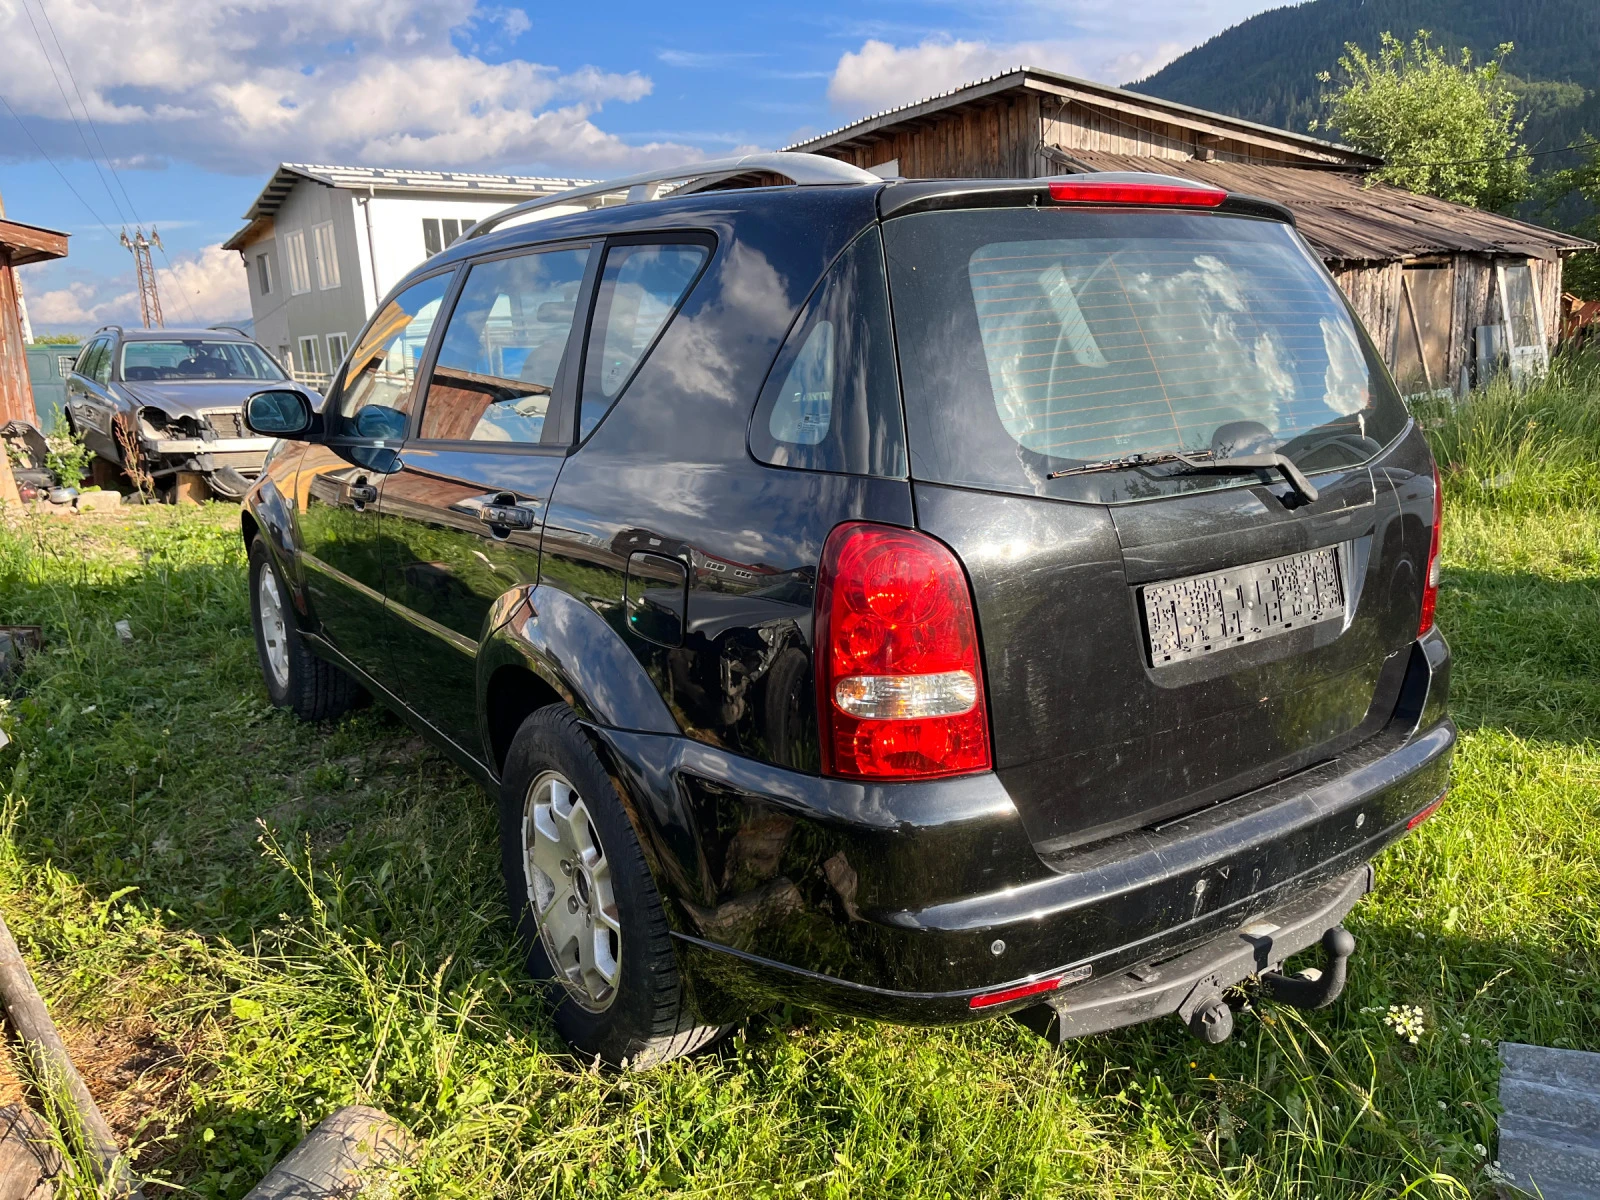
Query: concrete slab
x=1550 y=1121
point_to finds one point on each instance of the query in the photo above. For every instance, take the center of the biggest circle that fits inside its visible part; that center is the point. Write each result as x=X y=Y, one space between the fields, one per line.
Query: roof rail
x=103 y=328
x=803 y=169
x=229 y=329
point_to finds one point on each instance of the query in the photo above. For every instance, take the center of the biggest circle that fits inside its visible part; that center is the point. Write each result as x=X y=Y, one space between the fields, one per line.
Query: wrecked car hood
x=192 y=399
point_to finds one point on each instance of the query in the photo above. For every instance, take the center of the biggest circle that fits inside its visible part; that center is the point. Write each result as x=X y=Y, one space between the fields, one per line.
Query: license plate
x=1189 y=618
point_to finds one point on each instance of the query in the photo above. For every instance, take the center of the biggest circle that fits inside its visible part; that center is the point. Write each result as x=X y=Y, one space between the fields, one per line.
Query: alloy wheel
x=274 y=631
x=570 y=889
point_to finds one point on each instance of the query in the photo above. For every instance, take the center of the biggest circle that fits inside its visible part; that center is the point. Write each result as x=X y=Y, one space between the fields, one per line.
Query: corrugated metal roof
x=392 y=179
x=1350 y=218
x=1018 y=77
x=398 y=179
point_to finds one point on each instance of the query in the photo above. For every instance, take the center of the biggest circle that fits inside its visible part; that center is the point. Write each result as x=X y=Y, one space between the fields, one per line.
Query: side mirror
x=278 y=413
x=380 y=424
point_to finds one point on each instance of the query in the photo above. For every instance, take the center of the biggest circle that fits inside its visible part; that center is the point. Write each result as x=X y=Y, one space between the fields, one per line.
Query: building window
x=264 y=273
x=308 y=364
x=338 y=343
x=439 y=232
x=327 y=256
x=294 y=252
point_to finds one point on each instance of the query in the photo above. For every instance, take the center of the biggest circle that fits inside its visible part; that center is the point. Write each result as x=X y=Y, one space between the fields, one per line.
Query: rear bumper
x=906 y=901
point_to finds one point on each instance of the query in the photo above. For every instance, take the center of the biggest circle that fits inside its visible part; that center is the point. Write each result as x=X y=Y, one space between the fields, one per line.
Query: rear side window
x=1036 y=340
x=832 y=401
x=641 y=286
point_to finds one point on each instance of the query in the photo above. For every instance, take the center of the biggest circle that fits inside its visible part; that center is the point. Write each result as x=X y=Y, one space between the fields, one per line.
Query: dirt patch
x=131 y=1073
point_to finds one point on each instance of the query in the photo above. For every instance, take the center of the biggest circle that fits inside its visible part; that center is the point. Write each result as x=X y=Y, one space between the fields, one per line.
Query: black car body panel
x=664 y=585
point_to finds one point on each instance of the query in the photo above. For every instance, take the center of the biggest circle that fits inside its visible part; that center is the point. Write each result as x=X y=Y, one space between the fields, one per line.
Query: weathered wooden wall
x=1374 y=292
x=1071 y=126
x=16 y=392
x=999 y=140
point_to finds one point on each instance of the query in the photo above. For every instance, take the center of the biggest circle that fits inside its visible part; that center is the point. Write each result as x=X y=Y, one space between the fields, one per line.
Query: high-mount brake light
x=899 y=682
x=1430 y=582
x=1089 y=191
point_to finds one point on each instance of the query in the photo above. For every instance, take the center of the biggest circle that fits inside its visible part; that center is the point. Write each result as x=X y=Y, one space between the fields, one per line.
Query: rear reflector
x=990 y=999
x=1088 y=191
x=1426 y=813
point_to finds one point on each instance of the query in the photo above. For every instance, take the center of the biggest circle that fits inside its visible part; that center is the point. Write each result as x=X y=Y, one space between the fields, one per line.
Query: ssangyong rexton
x=923 y=600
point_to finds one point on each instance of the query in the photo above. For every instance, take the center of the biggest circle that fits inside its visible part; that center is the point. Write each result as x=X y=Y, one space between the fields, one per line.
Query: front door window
x=382 y=370
x=503 y=348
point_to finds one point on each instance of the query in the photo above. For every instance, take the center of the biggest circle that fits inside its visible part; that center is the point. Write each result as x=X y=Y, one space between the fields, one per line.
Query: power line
x=84 y=104
x=52 y=162
x=82 y=137
x=99 y=141
x=1467 y=162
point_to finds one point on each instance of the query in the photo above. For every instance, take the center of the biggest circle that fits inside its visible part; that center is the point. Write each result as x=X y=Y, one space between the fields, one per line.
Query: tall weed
x=1522 y=447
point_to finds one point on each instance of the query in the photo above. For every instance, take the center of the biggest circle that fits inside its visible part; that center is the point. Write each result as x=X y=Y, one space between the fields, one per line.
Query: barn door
x=1422 y=342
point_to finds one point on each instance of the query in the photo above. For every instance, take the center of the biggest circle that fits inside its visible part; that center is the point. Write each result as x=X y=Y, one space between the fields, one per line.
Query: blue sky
x=196 y=102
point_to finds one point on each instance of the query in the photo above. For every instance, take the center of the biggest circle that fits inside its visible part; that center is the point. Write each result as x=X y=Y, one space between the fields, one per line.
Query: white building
x=324 y=244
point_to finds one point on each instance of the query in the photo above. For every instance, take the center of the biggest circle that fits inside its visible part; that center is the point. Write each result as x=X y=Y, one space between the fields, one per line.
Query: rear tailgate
x=1036 y=342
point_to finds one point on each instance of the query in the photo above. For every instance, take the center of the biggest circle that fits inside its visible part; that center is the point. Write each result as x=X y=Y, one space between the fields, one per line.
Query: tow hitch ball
x=1212 y=1020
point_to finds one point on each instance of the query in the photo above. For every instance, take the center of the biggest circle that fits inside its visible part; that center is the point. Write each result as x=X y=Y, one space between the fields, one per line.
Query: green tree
x=1443 y=126
x=1581 y=275
x=57 y=339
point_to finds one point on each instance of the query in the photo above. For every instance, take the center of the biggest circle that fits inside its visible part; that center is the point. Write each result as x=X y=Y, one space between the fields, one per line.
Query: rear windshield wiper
x=1204 y=460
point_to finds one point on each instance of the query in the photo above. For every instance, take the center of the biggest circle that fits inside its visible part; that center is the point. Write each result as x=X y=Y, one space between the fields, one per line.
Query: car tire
x=310 y=687
x=643 y=1014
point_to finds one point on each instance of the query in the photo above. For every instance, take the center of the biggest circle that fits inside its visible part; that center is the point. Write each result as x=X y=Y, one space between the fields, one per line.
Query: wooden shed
x=1447 y=291
x=19 y=245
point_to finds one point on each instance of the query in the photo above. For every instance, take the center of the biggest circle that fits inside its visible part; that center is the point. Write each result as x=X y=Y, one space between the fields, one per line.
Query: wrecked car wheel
x=312 y=688
x=584 y=902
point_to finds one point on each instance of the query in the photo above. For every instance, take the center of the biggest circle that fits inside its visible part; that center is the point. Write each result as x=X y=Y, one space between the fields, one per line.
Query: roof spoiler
x=902 y=198
x=803 y=169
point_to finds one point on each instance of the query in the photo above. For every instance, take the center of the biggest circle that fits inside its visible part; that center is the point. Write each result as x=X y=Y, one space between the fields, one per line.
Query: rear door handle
x=507 y=513
x=361 y=494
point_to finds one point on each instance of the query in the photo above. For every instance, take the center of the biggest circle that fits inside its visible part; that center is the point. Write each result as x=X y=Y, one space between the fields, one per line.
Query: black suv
x=923 y=600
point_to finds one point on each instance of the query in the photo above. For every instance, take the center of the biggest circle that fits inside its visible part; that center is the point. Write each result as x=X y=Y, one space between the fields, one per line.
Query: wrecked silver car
x=162 y=404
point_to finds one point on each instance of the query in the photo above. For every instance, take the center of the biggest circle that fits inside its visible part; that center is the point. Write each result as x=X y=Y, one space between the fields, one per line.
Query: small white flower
x=1479 y=1149
x=1466 y=1039
x=1442 y=1106
x=1406 y=1020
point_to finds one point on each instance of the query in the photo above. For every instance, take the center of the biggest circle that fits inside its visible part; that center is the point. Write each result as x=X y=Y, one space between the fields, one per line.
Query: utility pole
x=149 y=297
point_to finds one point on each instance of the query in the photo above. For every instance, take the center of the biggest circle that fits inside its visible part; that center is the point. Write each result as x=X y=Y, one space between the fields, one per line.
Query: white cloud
x=880 y=75
x=242 y=85
x=200 y=289
x=1111 y=41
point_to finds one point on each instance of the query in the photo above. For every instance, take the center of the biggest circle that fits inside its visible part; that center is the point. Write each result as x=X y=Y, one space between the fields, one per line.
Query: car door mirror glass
x=380 y=423
x=278 y=413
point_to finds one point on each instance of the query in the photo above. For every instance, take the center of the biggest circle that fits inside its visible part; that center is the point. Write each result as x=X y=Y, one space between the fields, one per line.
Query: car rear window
x=1035 y=340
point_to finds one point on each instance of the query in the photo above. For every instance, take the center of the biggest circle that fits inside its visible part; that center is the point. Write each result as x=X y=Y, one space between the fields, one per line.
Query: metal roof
x=1351 y=218
x=396 y=179
x=1018 y=77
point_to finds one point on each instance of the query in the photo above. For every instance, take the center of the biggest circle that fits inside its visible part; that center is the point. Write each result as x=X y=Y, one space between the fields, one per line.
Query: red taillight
x=1430 y=582
x=899 y=684
x=1427 y=812
x=1090 y=191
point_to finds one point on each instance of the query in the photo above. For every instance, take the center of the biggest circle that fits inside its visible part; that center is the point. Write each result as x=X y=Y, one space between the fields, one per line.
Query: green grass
x=306 y=917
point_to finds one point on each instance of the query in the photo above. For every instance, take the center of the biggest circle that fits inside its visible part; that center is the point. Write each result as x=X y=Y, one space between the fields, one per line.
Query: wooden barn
x=1448 y=292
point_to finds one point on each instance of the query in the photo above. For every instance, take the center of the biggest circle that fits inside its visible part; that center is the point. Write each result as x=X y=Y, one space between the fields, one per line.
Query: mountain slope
x=1265 y=69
